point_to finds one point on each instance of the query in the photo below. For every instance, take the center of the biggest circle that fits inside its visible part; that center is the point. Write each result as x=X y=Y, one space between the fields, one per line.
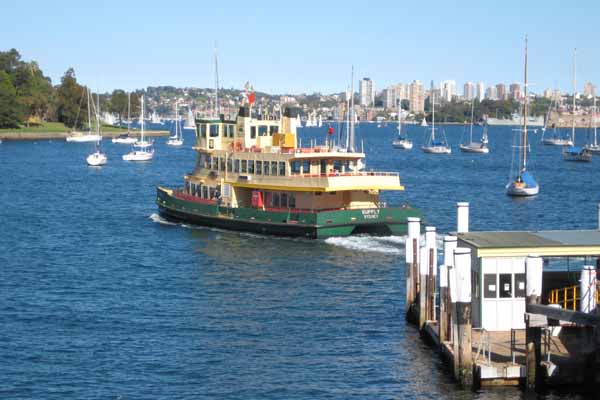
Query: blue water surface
x=100 y=298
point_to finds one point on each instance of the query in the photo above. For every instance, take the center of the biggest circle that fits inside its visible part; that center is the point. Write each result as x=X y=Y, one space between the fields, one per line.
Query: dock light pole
x=462 y=263
x=450 y=243
x=462 y=217
x=533 y=332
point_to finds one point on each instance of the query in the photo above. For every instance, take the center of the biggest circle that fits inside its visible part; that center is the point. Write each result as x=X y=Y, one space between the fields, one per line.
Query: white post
x=587 y=287
x=430 y=243
x=450 y=243
x=414 y=232
x=462 y=217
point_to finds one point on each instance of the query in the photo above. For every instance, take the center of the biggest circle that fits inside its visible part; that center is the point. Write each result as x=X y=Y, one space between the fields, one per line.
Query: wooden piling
x=462 y=263
x=533 y=332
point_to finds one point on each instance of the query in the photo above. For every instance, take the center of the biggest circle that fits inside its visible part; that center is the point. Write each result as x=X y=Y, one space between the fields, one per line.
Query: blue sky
x=304 y=46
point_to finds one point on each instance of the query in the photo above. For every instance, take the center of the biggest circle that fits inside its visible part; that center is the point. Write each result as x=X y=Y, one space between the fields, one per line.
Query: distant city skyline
x=292 y=48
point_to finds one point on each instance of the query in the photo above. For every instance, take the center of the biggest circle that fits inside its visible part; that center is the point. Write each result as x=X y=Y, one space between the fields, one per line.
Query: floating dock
x=508 y=308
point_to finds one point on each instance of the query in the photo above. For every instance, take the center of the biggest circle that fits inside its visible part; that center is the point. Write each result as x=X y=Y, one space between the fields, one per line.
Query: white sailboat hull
x=513 y=190
x=436 y=149
x=594 y=148
x=174 y=142
x=557 y=142
x=138 y=155
x=83 y=138
x=96 y=159
x=129 y=140
x=402 y=144
x=474 y=148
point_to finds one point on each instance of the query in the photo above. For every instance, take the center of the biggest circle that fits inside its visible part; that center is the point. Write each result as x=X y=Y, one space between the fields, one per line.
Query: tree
x=10 y=115
x=9 y=60
x=118 y=103
x=69 y=101
x=33 y=91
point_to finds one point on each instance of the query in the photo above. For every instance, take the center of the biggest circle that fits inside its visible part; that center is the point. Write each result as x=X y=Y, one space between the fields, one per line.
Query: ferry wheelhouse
x=251 y=175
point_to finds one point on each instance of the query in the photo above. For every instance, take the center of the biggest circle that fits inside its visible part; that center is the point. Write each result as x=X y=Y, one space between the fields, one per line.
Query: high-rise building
x=390 y=96
x=515 y=91
x=366 y=92
x=589 y=90
x=468 y=91
x=448 y=90
x=501 y=91
x=480 y=91
x=491 y=93
x=416 y=97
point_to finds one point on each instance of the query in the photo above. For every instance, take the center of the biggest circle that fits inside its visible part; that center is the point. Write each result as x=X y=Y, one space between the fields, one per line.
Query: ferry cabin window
x=252 y=132
x=250 y=166
x=236 y=165
x=273 y=129
x=203 y=130
x=274 y=168
x=283 y=200
x=323 y=166
x=244 y=166
x=230 y=130
x=505 y=283
x=205 y=192
x=266 y=167
x=214 y=130
x=281 y=168
x=262 y=130
x=295 y=167
x=489 y=286
x=292 y=200
x=221 y=164
x=212 y=192
x=229 y=165
x=208 y=162
x=187 y=187
x=275 y=200
x=346 y=166
x=306 y=167
x=259 y=167
x=193 y=189
x=337 y=165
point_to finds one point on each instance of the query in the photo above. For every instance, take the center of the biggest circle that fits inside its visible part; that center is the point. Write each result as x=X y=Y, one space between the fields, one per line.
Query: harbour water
x=101 y=298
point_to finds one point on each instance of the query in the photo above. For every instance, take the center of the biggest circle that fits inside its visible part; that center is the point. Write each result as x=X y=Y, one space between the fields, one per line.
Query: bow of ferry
x=252 y=176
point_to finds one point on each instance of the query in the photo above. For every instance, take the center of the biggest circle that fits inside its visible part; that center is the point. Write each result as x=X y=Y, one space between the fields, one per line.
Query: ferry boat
x=251 y=176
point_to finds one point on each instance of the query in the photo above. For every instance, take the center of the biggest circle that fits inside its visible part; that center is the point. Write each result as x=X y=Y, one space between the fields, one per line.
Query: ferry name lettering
x=370 y=214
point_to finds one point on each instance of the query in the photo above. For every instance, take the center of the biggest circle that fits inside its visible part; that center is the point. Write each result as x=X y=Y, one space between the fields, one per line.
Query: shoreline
x=23 y=136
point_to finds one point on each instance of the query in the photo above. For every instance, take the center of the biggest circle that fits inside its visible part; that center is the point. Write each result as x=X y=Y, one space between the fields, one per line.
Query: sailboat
x=177 y=139
x=298 y=121
x=320 y=122
x=575 y=153
x=97 y=158
x=142 y=150
x=524 y=184
x=402 y=141
x=556 y=139
x=435 y=146
x=126 y=138
x=189 y=121
x=594 y=147
x=80 y=137
x=475 y=147
x=424 y=122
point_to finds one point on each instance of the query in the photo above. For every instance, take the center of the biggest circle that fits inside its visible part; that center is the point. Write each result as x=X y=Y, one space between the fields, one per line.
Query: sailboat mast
x=351 y=146
x=432 y=114
x=217 y=107
x=525 y=112
x=128 y=112
x=142 y=134
x=98 y=113
x=574 y=90
x=348 y=94
x=89 y=111
x=472 y=112
x=594 y=120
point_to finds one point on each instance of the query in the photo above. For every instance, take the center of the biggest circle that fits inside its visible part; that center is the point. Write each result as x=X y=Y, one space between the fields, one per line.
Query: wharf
x=500 y=312
x=18 y=135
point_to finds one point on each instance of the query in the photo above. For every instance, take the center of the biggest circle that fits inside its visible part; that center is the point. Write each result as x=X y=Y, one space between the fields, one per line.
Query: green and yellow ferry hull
x=176 y=206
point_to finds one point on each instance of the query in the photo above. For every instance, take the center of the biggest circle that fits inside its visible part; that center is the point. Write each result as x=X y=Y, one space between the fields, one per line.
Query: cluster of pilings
x=452 y=323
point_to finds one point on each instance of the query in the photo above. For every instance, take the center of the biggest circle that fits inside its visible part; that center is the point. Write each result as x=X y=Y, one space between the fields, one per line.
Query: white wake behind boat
x=142 y=150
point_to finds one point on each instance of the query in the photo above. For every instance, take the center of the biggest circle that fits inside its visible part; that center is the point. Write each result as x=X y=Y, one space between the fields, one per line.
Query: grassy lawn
x=54 y=127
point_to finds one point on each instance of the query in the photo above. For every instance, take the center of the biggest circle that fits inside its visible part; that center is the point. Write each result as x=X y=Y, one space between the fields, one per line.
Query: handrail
x=568 y=296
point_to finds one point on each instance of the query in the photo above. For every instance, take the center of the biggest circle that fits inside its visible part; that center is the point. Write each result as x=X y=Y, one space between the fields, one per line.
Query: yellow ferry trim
x=309 y=188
